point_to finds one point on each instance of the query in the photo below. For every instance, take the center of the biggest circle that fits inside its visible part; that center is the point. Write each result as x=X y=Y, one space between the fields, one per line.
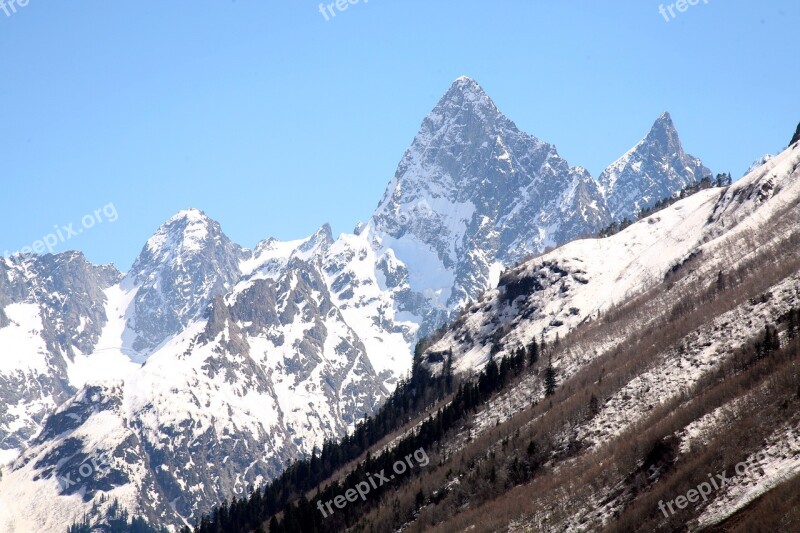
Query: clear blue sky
x=274 y=121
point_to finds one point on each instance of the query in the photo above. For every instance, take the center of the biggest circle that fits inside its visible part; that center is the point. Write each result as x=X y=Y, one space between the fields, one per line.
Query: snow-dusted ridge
x=653 y=267
x=208 y=366
x=571 y=285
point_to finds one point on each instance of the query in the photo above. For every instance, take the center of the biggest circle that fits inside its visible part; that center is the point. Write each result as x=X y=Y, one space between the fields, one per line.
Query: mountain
x=758 y=163
x=652 y=170
x=473 y=194
x=216 y=367
x=653 y=390
x=51 y=312
x=796 y=137
x=671 y=357
x=182 y=267
x=208 y=367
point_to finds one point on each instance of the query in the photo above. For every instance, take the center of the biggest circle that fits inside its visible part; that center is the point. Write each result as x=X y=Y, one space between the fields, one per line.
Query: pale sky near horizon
x=274 y=120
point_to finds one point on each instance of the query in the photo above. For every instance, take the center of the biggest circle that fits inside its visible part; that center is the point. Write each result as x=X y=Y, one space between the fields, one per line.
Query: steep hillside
x=51 y=310
x=208 y=367
x=620 y=376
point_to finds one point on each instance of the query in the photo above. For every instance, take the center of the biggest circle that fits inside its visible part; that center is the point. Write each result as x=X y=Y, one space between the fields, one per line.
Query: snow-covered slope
x=51 y=310
x=664 y=374
x=579 y=281
x=208 y=366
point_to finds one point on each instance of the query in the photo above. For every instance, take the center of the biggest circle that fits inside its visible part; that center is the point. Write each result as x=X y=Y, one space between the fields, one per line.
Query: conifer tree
x=594 y=405
x=448 y=372
x=274 y=526
x=420 y=498
x=533 y=353
x=550 y=381
x=532 y=448
x=722 y=281
x=770 y=343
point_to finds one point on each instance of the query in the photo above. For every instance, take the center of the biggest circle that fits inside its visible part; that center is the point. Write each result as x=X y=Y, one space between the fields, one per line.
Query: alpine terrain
x=208 y=368
x=644 y=381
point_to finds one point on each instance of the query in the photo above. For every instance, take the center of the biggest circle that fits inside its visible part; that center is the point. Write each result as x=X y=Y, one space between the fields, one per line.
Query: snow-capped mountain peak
x=253 y=356
x=188 y=232
x=466 y=95
x=187 y=262
x=474 y=192
x=663 y=131
x=321 y=240
x=655 y=168
x=758 y=163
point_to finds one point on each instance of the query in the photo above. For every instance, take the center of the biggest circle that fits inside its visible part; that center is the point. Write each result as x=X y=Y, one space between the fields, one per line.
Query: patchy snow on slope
x=577 y=285
x=697 y=434
x=677 y=370
x=777 y=462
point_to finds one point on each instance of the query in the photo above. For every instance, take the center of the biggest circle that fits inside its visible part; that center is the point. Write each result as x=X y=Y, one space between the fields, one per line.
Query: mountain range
x=642 y=381
x=208 y=367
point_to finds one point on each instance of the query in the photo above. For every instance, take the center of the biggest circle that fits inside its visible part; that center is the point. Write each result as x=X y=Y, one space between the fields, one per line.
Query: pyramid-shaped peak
x=190 y=231
x=186 y=262
x=656 y=168
x=322 y=237
x=463 y=82
x=663 y=123
x=665 y=118
x=664 y=134
x=325 y=232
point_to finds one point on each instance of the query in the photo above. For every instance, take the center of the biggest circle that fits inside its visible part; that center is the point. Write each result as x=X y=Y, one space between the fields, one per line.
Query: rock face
x=208 y=367
x=52 y=310
x=181 y=268
x=473 y=193
x=796 y=137
x=653 y=169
